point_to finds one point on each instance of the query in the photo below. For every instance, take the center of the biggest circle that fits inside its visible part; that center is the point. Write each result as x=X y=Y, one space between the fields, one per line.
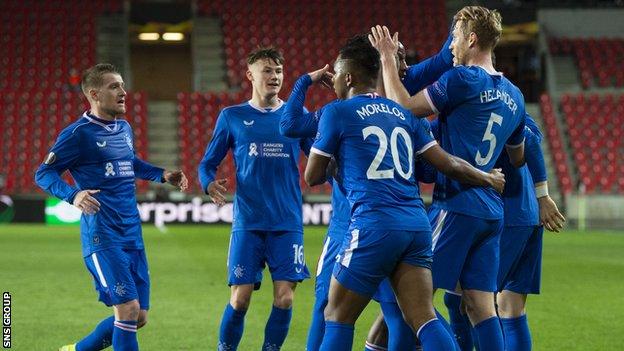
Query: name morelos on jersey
x=375 y=161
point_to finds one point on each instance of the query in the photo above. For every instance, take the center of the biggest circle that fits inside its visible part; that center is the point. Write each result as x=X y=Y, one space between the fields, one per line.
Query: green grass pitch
x=54 y=303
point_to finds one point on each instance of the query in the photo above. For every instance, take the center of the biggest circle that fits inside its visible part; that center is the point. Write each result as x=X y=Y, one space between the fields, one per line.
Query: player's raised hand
x=86 y=202
x=497 y=179
x=216 y=188
x=550 y=217
x=176 y=178
x=386 y=44
x=322 y=76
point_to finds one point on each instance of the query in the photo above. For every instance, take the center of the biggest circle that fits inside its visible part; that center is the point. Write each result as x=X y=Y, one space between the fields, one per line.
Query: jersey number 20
x=488 y=136
x=373 y=171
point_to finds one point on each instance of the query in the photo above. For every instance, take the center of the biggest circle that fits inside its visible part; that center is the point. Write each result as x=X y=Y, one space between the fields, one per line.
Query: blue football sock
x=433 y=336
x=447 y=327
x=100 y=338
x=276 y=329
x=517 y=333
x=459 y=322
x=490 y=335
x=400 y=334
x=231 y=331
x=125 y=336
x=475 y=337
x=317 y=327
x=338 y=337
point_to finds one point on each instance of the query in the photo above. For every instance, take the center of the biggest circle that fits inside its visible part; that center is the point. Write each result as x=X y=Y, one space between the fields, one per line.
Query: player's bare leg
x=511 y=304
x=414 y=290
x=240 y=296
x=378 y=334
x=343 y=309
x=512 y=313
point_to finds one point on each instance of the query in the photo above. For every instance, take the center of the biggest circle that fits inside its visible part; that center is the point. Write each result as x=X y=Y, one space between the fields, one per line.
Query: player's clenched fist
x=216 y=190
x=497 y=180
x=87 y=203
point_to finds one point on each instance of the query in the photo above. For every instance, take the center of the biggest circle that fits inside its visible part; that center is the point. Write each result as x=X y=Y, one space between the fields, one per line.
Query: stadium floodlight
x=149 y=36
x=173 y=36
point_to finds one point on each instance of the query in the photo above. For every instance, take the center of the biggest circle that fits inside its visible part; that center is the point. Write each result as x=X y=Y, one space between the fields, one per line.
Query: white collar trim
x=280 y=103
x=105 y=126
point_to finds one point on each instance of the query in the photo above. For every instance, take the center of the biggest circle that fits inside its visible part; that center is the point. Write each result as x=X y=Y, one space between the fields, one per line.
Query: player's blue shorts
x=465 y=250
x=369 y=256
x=251 y=250
x=325 y=266
x=520 y=268
x=120 y=275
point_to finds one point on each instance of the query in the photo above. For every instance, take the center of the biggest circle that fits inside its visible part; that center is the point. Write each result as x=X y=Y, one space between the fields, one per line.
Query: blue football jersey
x=99 y=154
x=478 y=114
x=373 y=140
x=520 y=203
x=268 y=196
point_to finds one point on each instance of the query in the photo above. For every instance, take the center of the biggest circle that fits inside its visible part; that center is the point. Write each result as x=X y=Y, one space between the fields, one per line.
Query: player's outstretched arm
x=295 y=122
x=63 y=155
x=387 y=46
x=426 y=72
x=462 y=171
x=215 y=152
x=316 y=169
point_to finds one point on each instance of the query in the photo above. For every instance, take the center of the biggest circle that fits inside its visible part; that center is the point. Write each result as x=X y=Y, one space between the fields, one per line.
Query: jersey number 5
x=488 y=136
x=373 y=171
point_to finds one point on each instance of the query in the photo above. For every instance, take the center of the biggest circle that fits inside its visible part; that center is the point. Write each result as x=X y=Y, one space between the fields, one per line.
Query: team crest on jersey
x=120 y=289
x=248 y=123
x=129 y=141
x=50 y=158
x=101 y=144
x=239 y=271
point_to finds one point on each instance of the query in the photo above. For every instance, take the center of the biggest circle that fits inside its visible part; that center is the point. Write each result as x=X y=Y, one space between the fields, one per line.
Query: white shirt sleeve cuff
x=428 y=98
x=426 y=147
x=320 y=152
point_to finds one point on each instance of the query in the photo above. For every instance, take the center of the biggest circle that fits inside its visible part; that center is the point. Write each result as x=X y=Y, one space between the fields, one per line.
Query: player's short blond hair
x=93 y=77
x=485 y=23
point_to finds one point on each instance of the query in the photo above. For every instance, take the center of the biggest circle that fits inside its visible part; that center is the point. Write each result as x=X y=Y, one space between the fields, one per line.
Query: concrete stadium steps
x=553 y=184
x=208 y=55
x=113 y=44
x=162 y=132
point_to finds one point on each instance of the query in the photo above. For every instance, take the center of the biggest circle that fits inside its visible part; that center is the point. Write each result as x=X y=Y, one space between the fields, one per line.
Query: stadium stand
x=555 y=143
x=44 y=44
x=591 y=122
x=598 y=59
x=595 y=128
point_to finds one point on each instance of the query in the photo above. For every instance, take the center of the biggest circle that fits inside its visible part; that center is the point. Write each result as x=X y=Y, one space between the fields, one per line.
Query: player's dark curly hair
x=363 y=55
